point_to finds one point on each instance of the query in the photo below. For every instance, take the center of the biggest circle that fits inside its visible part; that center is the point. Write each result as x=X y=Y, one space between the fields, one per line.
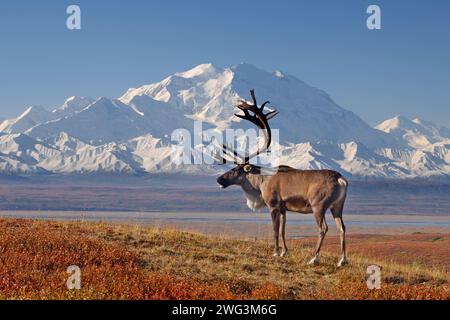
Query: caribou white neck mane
x=252 y=191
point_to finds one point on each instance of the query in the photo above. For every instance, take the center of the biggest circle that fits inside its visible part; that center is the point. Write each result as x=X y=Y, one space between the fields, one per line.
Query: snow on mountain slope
x=150 y=154
x=28 y=119
x=11 y=166
x=194 y=92
x=20 y=154
x=143 y=149
x=23 y=147
x=437 y=131
x=110 y=120
x=416 y=133
x=103 y=120
x=63 y=154
x=429 y=146
x=132 y=134
x=158 y=118
x=210 y=94
x=154 y=156
x=441 y=150
x=89 y=159
x=73 y=105
x=350 y=158
x=65 y=143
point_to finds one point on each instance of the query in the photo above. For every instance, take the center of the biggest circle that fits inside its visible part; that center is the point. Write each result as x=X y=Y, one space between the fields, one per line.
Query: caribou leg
x=337 y=214
x=319 y=214
x=283 y=233
x=275 y=214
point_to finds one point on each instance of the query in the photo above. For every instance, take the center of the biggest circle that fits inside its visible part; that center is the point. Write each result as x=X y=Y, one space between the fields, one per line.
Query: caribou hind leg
x=319 y=214
x=337 y=215
x=283 y=233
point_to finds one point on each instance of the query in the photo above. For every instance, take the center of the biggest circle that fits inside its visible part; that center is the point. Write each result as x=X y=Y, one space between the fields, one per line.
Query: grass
x=135 y=262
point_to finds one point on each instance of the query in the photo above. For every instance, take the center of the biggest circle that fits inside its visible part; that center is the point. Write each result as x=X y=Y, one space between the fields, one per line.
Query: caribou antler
x=258 y=118
x=255 y=115
x=228 y=153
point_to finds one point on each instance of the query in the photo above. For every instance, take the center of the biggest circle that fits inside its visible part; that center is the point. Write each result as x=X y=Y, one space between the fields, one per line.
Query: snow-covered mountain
x=72 y=105
x=209 y=93
x=131 y=134
x=417 y=133
x=31 y=117
x=106 y=120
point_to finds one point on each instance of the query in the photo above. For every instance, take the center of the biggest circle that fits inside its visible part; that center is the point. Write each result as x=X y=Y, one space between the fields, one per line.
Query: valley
x=194 y=193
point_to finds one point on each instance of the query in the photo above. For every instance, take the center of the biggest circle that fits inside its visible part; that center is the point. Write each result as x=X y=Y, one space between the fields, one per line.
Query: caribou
x=286 y=188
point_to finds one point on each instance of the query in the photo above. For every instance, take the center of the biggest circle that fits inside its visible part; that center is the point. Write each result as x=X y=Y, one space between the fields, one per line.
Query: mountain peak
x=73 y=105
x=395 y=123
x=418 y=133
x=33 y=109
x=103 y=99
x=209 y=94
x=424 y=123
x=400 y=122
x=29 y=118
x=71 y=98
x=202 y=69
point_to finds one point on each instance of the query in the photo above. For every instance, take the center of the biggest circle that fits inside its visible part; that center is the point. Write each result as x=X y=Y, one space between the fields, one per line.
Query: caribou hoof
x=342 y=262
x=314 y=261
x=276 y=254
x=284 y=253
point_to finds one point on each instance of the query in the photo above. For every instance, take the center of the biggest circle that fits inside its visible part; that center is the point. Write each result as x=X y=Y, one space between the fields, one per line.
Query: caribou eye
x=247 y=168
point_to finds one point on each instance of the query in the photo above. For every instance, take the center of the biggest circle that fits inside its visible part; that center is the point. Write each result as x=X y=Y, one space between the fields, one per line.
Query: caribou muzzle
x=223 y=182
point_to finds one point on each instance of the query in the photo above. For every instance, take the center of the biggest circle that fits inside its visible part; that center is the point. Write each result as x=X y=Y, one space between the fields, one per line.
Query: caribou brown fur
x=301 y=191
x=287 y=189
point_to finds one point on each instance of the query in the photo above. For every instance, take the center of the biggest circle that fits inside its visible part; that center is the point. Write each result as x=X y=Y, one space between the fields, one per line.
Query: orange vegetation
x=132 y=262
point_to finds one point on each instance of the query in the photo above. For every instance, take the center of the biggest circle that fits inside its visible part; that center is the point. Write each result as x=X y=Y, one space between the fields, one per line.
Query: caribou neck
x=252 y=183
x=252 y=189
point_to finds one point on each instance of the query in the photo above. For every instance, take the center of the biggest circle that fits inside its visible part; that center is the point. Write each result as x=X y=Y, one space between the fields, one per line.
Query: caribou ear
x=248 y=168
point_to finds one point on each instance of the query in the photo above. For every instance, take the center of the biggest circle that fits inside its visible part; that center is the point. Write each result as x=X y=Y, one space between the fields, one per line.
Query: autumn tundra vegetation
x=138 y=262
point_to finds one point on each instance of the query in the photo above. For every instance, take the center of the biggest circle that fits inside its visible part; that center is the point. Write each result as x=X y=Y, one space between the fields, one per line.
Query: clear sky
x=404 y=68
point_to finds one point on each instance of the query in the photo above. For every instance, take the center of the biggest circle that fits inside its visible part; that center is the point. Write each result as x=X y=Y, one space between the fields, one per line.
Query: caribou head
x=237 y=175
x=240 y=174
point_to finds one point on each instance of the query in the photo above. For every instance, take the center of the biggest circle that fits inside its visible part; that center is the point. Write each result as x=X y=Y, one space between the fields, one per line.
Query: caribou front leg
x=275 y=214
x=283 y=232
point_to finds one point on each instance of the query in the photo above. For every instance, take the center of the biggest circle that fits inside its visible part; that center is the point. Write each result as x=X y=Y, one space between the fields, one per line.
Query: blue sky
x=402 y=69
